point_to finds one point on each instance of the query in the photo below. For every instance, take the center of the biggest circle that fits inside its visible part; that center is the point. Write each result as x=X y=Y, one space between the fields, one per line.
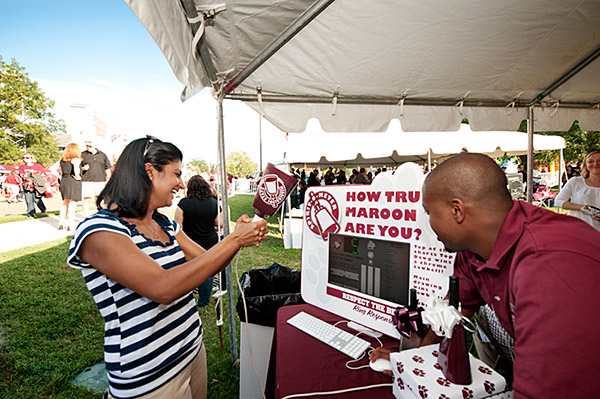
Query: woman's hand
x=250 y=233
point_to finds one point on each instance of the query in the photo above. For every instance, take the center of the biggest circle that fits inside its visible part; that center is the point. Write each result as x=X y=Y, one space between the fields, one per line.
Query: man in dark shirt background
x=96 y=170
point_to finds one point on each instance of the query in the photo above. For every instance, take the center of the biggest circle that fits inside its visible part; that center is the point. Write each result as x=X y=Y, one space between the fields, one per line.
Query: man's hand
x=382 y=353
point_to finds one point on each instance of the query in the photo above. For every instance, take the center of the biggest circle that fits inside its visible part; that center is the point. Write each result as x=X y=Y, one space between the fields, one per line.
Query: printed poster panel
x=364 y=246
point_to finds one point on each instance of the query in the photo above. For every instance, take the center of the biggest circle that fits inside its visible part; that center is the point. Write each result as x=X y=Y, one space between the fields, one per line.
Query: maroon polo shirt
x=543 y=281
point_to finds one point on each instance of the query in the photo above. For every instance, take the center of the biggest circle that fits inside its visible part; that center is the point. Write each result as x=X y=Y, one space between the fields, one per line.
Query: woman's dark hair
x=199 y=188
x=127 y=192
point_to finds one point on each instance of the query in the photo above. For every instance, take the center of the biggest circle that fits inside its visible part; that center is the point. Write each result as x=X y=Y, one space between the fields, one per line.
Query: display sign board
x=364 y=246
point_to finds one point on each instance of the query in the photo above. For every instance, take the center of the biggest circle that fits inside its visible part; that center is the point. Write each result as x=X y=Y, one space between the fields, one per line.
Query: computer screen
x=379 y=268
x=365 y=246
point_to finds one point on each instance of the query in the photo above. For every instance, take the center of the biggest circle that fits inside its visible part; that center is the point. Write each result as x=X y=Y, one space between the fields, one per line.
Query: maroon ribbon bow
x=406 y=321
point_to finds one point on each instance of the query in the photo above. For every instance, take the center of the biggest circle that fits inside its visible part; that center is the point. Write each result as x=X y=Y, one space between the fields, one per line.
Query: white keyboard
x=329 y=334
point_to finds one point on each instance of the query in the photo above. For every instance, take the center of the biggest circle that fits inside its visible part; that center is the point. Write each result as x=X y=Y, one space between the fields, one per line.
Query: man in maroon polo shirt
x=539 y=270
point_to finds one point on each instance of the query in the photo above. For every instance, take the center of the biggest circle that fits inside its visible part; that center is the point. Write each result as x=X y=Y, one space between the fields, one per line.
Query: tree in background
x=578 y=143
x=26 y=121
x=199 y=164
x=239 y=164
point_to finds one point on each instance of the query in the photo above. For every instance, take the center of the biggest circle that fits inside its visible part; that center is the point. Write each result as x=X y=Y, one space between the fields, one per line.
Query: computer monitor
x=365 y=246
x=378 y=268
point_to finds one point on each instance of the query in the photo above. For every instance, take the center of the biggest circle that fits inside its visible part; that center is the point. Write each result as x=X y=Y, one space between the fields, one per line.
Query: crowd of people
x=329 y=177
x=81 y=178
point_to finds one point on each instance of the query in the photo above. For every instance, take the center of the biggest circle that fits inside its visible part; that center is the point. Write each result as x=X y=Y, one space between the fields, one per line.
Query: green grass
x=50 y=328
x=23 y=216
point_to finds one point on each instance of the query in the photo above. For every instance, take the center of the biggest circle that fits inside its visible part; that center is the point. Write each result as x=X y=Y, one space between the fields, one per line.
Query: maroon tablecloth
x=300 y=363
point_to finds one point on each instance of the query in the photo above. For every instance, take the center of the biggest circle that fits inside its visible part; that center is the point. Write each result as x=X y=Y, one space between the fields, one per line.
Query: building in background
x=82 y=122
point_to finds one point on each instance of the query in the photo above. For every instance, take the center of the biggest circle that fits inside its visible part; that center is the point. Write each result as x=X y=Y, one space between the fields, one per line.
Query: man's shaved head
x=474 y=178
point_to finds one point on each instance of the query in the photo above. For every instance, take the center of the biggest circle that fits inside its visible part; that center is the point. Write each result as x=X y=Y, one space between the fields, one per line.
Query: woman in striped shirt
x=141 y=269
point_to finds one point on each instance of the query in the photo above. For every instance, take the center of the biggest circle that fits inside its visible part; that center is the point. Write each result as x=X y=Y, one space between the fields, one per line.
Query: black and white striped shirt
x=145 y=343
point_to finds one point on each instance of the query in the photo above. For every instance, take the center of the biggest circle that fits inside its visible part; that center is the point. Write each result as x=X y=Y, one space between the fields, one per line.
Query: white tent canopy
x=356 y=66
x=315 y=148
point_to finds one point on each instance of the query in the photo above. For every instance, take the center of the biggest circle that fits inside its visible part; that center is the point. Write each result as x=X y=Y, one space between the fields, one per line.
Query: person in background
x=581 y=192
x=295 y=193
x=141 y=268
x=329 y=177
x=569 y=173
x=302 y=186
x=341 y=177
x=523 y=172
x=198 y=214
x=313 y=178
x=27 y=171
x=361 y=177
x=96 y=170
x=204 y=175
x=353 y=176
x=577 y=169
x=212 y=178
x=70 y=185
x=13 y=185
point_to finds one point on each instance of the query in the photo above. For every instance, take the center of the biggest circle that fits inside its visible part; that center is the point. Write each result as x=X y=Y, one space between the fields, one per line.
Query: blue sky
x=97 y=52
x=82 y=40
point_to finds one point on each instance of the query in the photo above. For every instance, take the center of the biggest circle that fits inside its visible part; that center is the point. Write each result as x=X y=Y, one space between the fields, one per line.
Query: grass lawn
x=50 y=328
x=23 y=216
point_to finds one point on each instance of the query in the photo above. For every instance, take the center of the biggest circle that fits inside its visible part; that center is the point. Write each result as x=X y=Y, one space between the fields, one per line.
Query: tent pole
x=561 y=170
x=429 y=160
x=260 y=140
x=226 y=228
x=190 y=11
x=530 y=154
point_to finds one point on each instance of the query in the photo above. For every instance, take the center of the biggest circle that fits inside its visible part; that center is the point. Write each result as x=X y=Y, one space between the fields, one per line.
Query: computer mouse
x=380 y=364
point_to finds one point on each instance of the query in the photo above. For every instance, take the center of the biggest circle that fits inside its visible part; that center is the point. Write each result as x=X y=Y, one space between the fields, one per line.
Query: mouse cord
x=309 y=394
x=350 y=367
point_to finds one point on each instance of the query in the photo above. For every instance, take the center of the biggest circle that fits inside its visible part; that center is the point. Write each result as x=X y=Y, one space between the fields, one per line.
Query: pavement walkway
x=26 y=233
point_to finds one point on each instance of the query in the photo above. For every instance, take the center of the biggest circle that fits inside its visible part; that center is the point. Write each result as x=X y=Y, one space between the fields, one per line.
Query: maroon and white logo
x=272 y=190
x=322 y=214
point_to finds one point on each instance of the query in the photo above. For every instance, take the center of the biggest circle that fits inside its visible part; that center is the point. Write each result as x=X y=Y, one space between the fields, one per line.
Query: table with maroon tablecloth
x=301 y=364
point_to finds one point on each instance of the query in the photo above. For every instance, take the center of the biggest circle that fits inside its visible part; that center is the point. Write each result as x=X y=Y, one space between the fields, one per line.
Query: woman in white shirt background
x=581 y=193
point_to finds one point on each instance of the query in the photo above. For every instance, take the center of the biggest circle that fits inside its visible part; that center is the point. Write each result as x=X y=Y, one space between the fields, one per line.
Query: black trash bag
x=266 y=290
